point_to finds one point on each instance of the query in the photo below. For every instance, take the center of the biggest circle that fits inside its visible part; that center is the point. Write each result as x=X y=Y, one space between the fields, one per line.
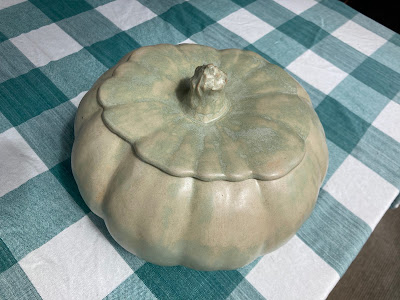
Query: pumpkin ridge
x=167 y=110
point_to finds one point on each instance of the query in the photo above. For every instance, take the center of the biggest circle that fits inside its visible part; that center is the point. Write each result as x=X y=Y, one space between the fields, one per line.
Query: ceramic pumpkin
x=198 y=157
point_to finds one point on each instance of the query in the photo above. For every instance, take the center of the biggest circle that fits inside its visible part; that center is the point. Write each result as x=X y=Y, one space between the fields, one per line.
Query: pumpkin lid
x=194 y=111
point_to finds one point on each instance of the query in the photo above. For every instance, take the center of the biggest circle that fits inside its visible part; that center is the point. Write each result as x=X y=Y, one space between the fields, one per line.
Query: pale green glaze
x=207 y=169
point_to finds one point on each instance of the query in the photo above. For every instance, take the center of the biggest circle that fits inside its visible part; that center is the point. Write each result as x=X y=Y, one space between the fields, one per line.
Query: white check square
x=75 y=101
x=361 y=190
x=246 y=25
x=280 y=274
x=359 y=37
x=126 y=13
x=388 y=121
x=18 y=162
x=46 y=44
x=188 y=41
x=78 y=263
x=317 y=71
x=296 y=6
x=8 y=3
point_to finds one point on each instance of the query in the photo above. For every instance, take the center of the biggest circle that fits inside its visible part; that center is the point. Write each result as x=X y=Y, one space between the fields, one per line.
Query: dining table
x=51 y=52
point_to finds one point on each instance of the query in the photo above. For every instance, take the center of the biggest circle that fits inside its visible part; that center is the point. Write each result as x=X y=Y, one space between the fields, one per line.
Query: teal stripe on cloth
x=34 y=213
x=380 y=153
x=58 y=125
x=359 y=98
x=89 y=27
x=245 y=291
x=187 y=19
x=111 y=50
x=217 y=10
x=324 y=17
x=290 y=47
x=58 y=10
x=183 y=283
x=305 y=32
x=12 y=62
x=7 y=259
x=376 y=75
x=12 y=24
x=219 y=37
x=275 y=15
x=14 y=284
x=334 y=233
x=340 y=7
x=75 y=73
x=339 y=53
x=161 y=32
x=342 y=126
x=132 y=288
x=28 y=95
x=63 y=173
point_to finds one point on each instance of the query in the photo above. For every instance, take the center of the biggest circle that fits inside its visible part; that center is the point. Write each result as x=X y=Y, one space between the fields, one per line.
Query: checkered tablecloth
x=51 y=52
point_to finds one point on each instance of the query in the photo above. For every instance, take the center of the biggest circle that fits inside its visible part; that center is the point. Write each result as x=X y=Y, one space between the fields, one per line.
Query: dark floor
x=375 y=273
x=384 y=12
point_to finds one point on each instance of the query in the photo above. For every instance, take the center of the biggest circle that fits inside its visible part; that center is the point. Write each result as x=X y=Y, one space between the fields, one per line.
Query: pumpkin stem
x=207 y=99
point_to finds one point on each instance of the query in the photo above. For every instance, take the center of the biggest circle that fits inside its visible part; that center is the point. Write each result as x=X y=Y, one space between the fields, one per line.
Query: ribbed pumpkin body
x=215 y=208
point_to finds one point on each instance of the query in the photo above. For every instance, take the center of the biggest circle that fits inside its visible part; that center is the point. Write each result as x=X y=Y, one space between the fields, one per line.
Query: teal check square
x=3 y=37
x=89 y=27
x=132 y=288
x=58 y=10
x=4 y=123
x=7 y=259
x=304 y=32
x=12 y=62
x=339 y=53
x=14 y=284
x=111 y=50
x=245 y=290
x=395 y=39
x=324 y=17
x=340 y=7
x=380 y=153
x=63 y=173
x=183 y=283
x=275 y=15
x=187 y=19
x=34 y=213
x=12 y=24
x=336 y=157
x=341 y=126
x=359 y=98
x=216 y=10
x=247 y=268
x=243 y=3
x=281 y=44
x=74 y=73
x=28 y=95
x=385 y=55
x=58 y=125
x=376 y=75
x=161 y=33
x=251 y=47
x=160 y=7
x=334 y=233
x=96 y=3
x=219 y=37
